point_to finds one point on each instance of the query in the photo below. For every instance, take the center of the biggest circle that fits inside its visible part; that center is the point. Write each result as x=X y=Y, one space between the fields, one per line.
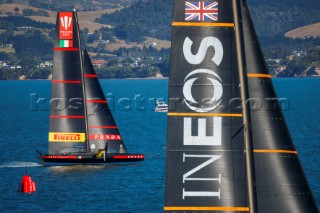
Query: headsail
x=280 y=182
x=101 y=125
x=205 y=162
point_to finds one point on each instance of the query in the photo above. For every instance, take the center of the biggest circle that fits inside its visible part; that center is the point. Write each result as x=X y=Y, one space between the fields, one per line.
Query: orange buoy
x=27 y=185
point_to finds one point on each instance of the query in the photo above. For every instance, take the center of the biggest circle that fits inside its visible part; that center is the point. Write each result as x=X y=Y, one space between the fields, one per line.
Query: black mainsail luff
x=102 y=129
x=280 y=182
x=205 y=159
x=67 y=118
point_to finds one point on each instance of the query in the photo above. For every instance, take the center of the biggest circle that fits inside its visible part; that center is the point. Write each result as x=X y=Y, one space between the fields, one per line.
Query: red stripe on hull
x=91 y=158
x=66 y=81
x=65 y=49
x=61 y=157
x=128 y=156
x=102 y=127
x=67 y=116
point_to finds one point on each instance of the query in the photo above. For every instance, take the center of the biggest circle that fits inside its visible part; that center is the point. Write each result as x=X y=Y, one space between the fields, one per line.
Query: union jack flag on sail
x=201 y=11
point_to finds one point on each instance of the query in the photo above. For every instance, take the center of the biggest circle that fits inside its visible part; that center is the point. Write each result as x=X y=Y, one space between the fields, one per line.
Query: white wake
x=17 y=164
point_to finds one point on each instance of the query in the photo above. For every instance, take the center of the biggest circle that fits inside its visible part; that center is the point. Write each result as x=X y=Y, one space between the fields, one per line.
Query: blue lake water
x=135 y=187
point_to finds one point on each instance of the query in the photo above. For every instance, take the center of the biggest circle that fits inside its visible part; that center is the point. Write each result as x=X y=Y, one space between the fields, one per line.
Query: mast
x=83 y=82
x=245 y=110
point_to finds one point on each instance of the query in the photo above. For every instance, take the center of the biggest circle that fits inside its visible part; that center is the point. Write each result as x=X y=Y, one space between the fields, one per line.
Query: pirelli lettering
x=67 y=137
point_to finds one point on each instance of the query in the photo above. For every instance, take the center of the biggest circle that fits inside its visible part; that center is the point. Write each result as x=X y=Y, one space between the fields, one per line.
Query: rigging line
x=239 y=131
x=233 y=166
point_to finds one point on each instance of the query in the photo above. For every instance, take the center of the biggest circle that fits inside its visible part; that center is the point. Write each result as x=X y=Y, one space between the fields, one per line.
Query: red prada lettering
x=104 y=137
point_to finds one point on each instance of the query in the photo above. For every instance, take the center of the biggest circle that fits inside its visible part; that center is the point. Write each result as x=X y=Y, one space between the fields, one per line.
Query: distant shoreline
x=149 y=78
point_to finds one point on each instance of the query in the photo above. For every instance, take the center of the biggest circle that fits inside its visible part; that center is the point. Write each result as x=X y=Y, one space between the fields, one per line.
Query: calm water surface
x=135 y=187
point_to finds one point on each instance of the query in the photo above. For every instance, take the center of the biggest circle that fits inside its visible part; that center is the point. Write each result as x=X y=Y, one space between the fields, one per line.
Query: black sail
x=102 y=129
x=67 y=117
x=82 y=129
x=280 y=182
x=205 y=159
x=80 y=119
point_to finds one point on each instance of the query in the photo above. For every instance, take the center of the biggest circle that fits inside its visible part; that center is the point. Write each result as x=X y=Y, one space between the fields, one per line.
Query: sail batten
x=90 y=75
x=206 y=208
x=67 y=116
x=66 y=49
x=258 y=75
x=202 y=24
x=190 y=114
x=274 y=151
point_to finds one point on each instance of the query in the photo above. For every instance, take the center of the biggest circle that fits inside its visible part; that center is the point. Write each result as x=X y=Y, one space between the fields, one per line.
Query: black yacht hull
x=84 y=158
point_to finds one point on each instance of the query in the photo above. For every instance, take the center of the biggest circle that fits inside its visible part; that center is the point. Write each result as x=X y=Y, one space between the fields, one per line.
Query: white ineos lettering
x=202 y=138
x=186 y=176
x=205 y=44
x=211 y=102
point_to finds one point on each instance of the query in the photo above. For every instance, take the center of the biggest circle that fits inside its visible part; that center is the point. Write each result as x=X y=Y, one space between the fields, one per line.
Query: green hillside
x=144 y=18
x=134 y=23
x=275 y=17
x=271 y=18
x=80 y=5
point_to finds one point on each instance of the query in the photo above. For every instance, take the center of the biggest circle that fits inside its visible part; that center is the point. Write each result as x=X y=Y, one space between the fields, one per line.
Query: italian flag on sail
x=66 y=43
